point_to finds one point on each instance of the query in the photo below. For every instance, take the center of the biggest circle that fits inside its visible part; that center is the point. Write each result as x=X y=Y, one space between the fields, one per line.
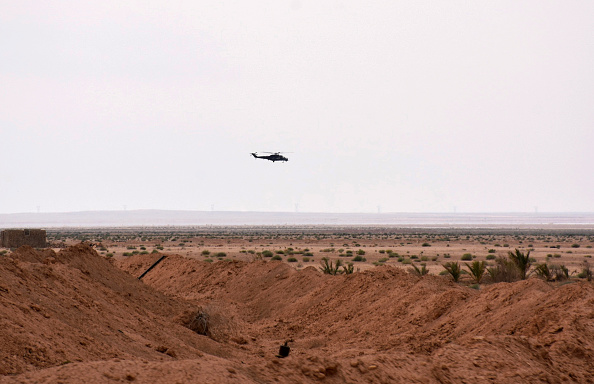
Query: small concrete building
x=14 y=238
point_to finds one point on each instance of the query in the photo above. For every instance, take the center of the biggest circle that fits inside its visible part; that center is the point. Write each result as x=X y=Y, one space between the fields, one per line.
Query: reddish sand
x=74 y=316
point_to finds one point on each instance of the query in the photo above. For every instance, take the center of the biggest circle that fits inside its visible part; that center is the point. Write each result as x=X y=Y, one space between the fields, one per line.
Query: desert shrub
x=330 y=268
x=220 y=254
x=543 y=271
x=466 y=257
x=504 y=271
x=406 y=261
x=208 y=260
x=198 y=322
x=267 y=253
x=280 y=252
x=109 y=255
x=306 y=259
x=127 y=254
x=425 y=245
x=453 y=268
x=490 y=257
x=205 y=253
x=310 y=254
x=491 y=251
x=292 y=260
x=383 y=260
x=144 y=253
x=560 y=272
x=575 y=245
x=359 y=258
x=477 y=270
x=348 y=269
x=418 y=271
x=382 y=251
x=521 y=260
x=360 y=252
x=276 y=257
x=586 y=272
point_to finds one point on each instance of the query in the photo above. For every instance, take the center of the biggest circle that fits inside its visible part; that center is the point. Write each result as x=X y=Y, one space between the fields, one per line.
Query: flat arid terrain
x=218 y=307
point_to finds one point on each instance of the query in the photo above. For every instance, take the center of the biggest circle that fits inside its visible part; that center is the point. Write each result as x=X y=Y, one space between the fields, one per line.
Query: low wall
x=14 y=238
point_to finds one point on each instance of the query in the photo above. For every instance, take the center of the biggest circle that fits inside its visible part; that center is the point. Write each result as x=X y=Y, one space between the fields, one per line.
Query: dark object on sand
x=151 y=267
x=284 y=350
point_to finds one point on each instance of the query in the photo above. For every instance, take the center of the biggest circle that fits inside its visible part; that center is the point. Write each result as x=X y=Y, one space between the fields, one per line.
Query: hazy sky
x=412 y=106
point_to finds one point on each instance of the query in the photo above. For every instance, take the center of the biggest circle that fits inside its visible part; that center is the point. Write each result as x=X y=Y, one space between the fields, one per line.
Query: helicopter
x=274 y=156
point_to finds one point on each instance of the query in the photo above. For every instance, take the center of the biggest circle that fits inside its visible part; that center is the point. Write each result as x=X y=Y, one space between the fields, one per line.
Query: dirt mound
x=528 y=330
x=74 y=316
x=57 y=308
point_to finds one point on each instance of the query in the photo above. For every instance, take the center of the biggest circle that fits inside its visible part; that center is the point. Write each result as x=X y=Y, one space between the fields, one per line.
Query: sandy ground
x=431 y=249
x=79 y=314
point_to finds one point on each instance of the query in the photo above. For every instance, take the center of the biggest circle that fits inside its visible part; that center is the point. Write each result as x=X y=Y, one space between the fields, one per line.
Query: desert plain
x=219 y=305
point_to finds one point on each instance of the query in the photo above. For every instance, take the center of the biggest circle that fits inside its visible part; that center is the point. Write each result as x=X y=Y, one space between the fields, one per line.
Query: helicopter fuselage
x=274 y=157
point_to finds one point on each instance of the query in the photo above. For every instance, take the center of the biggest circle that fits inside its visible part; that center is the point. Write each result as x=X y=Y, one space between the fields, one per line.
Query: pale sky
x=409 y=106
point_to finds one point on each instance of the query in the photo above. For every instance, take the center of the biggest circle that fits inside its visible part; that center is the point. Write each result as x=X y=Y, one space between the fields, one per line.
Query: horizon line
x=300 y=212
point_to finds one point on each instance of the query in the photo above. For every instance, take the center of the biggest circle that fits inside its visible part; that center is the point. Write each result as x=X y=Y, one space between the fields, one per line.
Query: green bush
x=359 y=258
x=453 y=268
x=276 y=257
x=329 y=268
x=477 y=270
x=522 y=261
x=419 y=271
x=466 y=257
x=292 y=260
x=267 y=253
x=504 y=271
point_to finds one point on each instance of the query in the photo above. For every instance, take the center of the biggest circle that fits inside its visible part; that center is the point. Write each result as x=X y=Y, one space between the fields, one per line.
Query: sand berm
x=75 y=316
